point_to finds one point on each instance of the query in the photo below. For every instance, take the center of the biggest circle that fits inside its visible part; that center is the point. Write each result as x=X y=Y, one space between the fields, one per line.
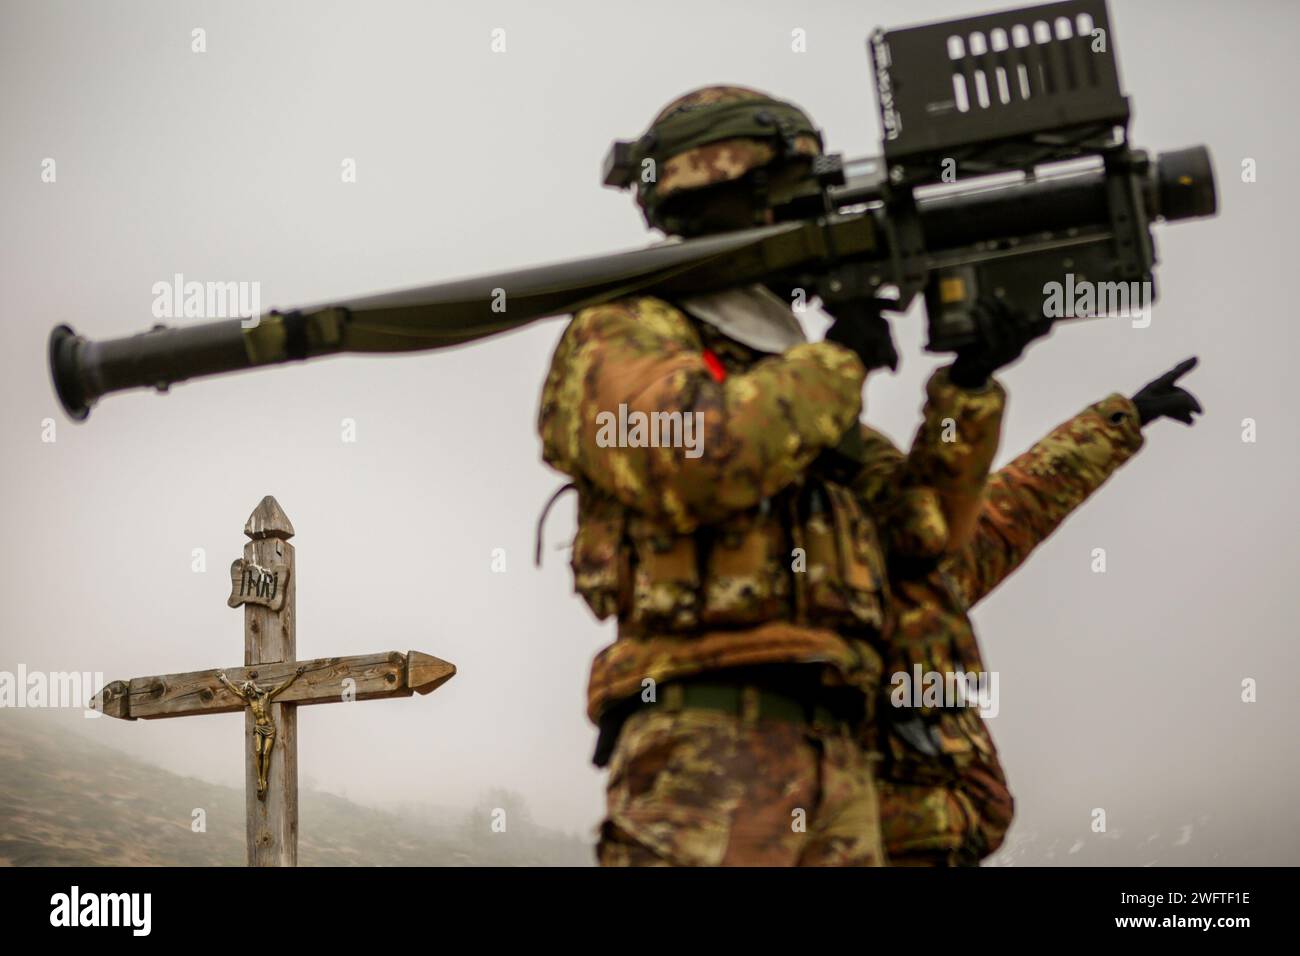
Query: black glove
x=1163 y=398
x=1001 y=335
x=861 y=329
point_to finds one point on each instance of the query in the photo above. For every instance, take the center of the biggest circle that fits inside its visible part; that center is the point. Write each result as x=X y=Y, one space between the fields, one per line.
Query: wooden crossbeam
x=325 y=680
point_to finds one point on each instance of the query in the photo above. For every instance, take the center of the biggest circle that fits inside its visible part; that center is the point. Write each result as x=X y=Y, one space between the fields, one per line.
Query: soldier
x=747 y=580
x=944 y=797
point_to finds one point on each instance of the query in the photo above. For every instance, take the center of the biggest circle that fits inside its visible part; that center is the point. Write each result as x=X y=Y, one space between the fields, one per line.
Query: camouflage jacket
x=692 y=551
x=1023 y=504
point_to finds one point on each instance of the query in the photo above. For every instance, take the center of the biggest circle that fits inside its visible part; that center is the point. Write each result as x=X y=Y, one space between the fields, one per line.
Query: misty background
x=1119 y=691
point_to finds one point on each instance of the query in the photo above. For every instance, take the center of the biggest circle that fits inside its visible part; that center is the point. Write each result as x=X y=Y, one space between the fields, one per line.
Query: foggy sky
x=1118 y=690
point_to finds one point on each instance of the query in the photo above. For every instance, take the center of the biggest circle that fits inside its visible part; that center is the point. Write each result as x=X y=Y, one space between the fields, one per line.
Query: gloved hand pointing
x=1162 y=397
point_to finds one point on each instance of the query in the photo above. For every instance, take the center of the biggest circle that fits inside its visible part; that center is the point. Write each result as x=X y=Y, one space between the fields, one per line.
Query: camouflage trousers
x=955 y=823
x=699 y=787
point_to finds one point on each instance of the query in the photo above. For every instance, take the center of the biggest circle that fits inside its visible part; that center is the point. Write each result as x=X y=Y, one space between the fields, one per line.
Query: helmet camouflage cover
x=717 y=134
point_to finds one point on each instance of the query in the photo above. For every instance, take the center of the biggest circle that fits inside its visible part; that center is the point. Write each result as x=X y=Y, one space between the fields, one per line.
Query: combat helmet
x=712 y=135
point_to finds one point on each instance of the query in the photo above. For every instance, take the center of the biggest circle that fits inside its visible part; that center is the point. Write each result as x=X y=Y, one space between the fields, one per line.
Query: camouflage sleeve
x=1028 y=499
x=881 y=465
x=928 y=501
x=743 y=438
x=909 y=517
x=953 y=450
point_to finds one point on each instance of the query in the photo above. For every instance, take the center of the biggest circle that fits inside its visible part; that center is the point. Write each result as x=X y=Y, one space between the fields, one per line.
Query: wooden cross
x=263 y=582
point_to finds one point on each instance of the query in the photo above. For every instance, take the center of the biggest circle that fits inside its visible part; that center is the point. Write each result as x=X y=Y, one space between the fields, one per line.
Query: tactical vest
x=808 y=555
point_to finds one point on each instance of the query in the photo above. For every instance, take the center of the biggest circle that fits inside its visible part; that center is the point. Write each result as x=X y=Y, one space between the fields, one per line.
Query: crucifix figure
x=272 y=685
x=263 y=726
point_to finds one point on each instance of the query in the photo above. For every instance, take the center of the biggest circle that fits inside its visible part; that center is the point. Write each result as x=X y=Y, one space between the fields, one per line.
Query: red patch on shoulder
x=715 y=366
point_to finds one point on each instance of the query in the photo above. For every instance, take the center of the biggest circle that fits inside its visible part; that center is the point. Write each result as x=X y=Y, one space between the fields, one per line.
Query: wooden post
x=269 y=638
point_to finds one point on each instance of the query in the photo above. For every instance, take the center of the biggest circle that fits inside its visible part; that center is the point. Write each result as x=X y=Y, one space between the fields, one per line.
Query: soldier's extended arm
x=1028 y=499
x=757 y=430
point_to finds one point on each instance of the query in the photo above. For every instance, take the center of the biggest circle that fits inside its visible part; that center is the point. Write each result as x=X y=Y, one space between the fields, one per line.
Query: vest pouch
x=601 y=558
x=845 y=564
x=665 y=578
x=747 y=577
x=826 y=597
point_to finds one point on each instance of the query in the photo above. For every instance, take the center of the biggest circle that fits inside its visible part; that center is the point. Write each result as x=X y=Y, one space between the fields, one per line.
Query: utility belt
x=808 y=554
x=787 y=693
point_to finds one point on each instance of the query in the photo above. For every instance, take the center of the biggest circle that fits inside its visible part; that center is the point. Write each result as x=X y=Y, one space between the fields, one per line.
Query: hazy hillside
x=64 y=800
